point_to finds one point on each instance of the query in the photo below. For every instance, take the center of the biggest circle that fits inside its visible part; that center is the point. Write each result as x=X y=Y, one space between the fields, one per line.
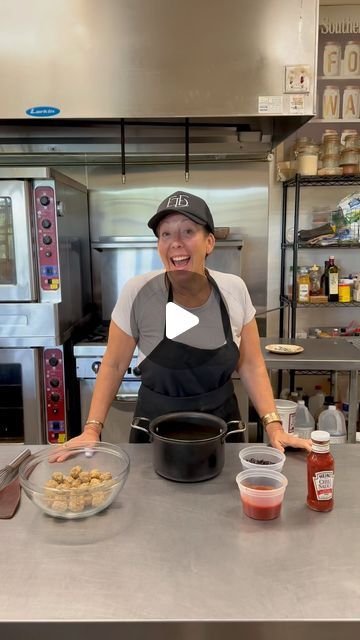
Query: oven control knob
x=46 y=223
x=96 y=366
x=54 y=382
x=53 y=361
x=47 y=239
x=137 y=371
x=55 y=397
x=44 y=201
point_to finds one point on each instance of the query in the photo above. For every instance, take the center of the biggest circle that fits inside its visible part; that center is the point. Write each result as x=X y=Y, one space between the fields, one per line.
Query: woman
x=191 y=372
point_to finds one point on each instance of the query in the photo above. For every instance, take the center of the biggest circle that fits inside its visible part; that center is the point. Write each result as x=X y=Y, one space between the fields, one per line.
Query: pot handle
x=135 y=425
x=238 y=422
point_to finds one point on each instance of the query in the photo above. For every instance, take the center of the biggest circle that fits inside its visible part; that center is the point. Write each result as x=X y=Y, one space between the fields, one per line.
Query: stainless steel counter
x=327 y=354
x=182 y=561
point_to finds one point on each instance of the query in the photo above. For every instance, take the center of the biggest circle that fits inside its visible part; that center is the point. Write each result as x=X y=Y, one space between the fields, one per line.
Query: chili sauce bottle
x=320 y=473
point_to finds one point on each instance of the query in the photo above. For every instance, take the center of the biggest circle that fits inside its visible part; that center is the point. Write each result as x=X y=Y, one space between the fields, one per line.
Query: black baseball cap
x=189 y=205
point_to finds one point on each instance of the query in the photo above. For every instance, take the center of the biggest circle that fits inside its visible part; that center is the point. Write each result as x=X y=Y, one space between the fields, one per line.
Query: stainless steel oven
x=45 y=275
x=39 y=395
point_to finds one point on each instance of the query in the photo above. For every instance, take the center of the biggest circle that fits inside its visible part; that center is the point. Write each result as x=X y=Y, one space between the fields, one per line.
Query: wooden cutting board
x=9 y=498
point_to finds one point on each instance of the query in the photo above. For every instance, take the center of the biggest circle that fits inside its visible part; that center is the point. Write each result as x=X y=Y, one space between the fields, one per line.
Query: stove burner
x=99 y=334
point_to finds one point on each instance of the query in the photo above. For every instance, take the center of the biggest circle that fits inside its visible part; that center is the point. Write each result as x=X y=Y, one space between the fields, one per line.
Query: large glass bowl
x=104 y=470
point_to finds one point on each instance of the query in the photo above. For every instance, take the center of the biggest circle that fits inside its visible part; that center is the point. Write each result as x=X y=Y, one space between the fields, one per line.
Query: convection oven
x=45 y=299
x=39 y=395
x=45 y=276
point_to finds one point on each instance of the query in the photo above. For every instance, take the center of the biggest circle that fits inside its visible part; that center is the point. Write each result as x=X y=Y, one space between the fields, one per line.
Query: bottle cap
x=320 y=436
x=301 y=402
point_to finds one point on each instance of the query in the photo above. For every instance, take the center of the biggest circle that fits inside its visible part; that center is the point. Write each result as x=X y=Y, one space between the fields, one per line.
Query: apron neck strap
x=224 y=314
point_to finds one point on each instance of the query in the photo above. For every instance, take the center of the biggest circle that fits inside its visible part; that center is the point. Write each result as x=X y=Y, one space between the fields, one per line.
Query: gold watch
x=268 y=418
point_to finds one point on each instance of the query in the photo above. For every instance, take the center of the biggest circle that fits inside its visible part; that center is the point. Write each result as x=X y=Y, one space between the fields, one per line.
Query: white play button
x=178 y=320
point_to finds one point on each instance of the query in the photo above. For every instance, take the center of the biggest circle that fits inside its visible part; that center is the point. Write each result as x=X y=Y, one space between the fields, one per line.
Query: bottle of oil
x=333 y=278
x=324 y=285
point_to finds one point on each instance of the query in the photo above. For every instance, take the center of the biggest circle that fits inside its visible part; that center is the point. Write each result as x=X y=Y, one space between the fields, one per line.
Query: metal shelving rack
x=298 y=182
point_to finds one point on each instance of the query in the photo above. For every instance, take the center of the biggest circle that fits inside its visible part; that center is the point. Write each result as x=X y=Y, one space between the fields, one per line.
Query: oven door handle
x=126 y=397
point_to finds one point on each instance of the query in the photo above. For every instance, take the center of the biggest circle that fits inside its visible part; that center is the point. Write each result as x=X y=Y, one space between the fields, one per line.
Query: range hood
x=247 y=67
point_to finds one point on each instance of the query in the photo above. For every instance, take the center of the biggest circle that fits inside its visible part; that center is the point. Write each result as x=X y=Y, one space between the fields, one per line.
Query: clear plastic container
x=261 y=492
x=333 y=421
x=262 y=456
x=287 y=411
x=316 y=402
x=304 y=421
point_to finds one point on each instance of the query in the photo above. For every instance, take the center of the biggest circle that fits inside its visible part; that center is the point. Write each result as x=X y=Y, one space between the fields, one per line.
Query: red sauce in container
x=253 y=509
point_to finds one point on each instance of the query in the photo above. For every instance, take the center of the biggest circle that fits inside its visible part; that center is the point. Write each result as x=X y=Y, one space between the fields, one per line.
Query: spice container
x=356 y=288
x=345 y=286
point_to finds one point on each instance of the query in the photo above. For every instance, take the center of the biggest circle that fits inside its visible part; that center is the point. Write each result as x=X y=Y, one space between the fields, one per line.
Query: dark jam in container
x=320 y=473
x=259 y=461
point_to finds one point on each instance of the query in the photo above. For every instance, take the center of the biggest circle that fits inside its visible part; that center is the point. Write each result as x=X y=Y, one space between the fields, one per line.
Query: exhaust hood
x=247 y=67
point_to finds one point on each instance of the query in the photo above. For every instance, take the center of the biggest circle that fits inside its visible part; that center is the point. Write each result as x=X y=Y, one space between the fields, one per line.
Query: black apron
x=179 y=377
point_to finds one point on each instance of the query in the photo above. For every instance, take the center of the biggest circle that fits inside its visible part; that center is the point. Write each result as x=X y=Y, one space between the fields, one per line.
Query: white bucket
x=287 y=411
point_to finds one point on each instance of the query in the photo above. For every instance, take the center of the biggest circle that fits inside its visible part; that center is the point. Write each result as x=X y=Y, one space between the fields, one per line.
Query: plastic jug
x=304 y=422
x=333 y=421
x=316 y=402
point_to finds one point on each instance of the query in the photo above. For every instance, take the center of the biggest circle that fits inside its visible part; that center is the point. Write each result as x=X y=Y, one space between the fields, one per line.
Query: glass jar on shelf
x=331 y=145
x=352 y=141
x=303 y=285
x=347 y=132
x=315 y=280
x=307 y=160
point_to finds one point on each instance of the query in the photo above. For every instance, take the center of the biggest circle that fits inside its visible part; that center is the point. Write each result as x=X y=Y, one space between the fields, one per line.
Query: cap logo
x=178 y=201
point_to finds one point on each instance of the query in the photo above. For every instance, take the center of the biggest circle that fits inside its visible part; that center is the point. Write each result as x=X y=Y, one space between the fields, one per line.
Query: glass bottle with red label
x=320 y=473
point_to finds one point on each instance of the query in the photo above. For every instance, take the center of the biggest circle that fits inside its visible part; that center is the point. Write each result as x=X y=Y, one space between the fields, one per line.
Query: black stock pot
x=188 y=446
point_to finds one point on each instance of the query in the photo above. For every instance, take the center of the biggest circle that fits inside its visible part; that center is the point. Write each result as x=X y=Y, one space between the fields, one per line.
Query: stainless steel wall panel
x=236 y=193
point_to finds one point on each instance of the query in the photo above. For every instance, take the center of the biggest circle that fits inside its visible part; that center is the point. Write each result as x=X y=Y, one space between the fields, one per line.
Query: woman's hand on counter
x=279 y=439
x=88 y=436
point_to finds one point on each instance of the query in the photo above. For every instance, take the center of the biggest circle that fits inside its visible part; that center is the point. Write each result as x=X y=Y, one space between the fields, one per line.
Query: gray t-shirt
x=141 y=307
